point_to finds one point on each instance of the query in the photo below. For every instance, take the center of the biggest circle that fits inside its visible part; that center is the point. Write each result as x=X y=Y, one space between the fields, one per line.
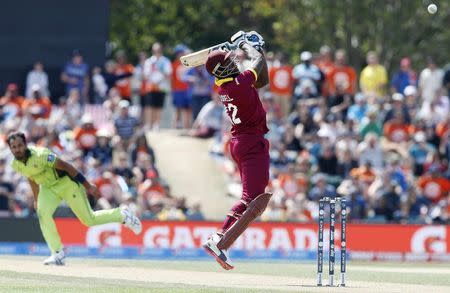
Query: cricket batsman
x=249 y=149
x=52 y=180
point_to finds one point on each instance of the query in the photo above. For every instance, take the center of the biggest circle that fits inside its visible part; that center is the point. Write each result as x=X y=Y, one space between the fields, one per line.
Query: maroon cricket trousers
x=251 y=154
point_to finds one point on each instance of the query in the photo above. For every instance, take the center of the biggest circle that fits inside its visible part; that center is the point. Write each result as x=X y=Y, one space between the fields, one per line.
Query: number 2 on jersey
x=233 y=109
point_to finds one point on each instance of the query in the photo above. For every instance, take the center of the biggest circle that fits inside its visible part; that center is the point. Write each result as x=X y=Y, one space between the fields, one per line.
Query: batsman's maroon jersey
x=242 y=103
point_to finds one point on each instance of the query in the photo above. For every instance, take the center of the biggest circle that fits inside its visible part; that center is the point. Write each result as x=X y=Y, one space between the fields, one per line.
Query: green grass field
x=27 y=274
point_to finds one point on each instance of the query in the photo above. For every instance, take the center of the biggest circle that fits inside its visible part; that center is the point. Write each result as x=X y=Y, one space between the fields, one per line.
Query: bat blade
x=199 y=58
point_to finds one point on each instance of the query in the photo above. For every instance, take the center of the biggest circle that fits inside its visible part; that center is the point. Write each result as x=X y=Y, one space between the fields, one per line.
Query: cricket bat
x=199 y=58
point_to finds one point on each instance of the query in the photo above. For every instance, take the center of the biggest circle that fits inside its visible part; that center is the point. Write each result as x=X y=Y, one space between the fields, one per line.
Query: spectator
x=370 y=125
x=406 y=76
x=364 y=174
x=397 y=130
x=328 y=161
x=123 y=71
x=430 y=81
x=209 y=120
x=124 y=124
x=38 y=106
x=369 y=151
x=75 y=75
x=357 y=111
x=281 y=85
x=99 y=85
x=342 y=75
x=157 y=73
x=321 y=188
x=180 y=90
x=411 y=100
x=85 y=135
x=389 y=205
x=434 y=186
x=201 y=84
x=11 y=102
x=37 y=76
x=346 y=163
x=102 y=151
x=446 y=79
x=419 y=151
x=398 y=106
x=307 y=77
x=138 y=81
x=141 y=146
x=373 y=77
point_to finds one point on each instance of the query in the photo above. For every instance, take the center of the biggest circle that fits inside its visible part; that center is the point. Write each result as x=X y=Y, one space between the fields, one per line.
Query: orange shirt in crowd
x=396 y=132
x=326 y=67
x=124 y=85
x=16 y=103
x=85 y=138
x=434 y=188
x=292 y=185
x=344 y=75
x=364 y=174
x=38 y=108
x=178 y=70
x=281 y=81
x=105 y=187
x=441 y=128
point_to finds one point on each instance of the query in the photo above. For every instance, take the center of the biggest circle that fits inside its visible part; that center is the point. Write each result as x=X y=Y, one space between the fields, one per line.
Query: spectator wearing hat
x=373 y=77
x=411 y=100
x=85 y=135
x=125 y=125
x=307 y=77
x=102 y=151
x=38 y=105
x=11 y=102
x=180 y=90
x=404 y=77
x=430 y=81
x=321 y=188
x=398 y=106
x=75 y=75
x=419 y=151
x=37 y=76
x=123 y=70
x=358 y=111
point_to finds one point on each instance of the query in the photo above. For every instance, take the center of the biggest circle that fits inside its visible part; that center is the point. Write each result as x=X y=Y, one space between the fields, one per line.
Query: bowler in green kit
x=53 y=180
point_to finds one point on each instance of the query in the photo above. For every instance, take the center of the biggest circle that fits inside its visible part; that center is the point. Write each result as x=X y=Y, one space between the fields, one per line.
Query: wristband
x=79 y=178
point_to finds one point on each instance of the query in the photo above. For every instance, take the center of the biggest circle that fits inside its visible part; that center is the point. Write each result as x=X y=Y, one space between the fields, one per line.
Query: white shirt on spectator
x=40 y=78
x=157 y=71
x=374 y=155
x=430 y=81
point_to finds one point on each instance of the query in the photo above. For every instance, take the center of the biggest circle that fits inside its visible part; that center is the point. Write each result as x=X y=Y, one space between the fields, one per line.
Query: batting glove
x=255 y=40
x=238 y=38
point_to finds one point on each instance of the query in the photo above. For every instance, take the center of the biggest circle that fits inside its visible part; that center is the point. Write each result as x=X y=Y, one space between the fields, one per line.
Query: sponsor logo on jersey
x=225 y=98
x=51 y=158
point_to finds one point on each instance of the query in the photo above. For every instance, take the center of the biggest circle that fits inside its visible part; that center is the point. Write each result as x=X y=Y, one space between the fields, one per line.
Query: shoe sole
x=218 y=259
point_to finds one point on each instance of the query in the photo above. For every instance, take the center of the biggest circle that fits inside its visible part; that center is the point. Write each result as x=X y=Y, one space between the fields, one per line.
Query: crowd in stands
x=382 y=142
x=98 y=128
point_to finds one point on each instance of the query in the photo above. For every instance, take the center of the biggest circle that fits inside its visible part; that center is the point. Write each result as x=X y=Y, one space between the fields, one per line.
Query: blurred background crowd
x=380 y=140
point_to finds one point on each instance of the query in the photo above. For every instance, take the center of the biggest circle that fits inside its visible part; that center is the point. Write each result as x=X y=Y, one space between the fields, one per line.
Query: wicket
x=331 y=255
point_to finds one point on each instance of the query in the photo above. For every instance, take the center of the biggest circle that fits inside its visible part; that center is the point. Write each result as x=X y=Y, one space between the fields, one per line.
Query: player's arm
x=35 y=188
x=258 y=64
x=75 y=175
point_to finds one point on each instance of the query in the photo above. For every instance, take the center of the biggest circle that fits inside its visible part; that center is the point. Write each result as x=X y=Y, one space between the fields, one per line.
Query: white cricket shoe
x=221 y=255
x=57 y=259
x=131 y=221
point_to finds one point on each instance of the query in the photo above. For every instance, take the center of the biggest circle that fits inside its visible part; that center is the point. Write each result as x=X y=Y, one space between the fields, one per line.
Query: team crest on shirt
x=225 y=98
x=51 y=158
